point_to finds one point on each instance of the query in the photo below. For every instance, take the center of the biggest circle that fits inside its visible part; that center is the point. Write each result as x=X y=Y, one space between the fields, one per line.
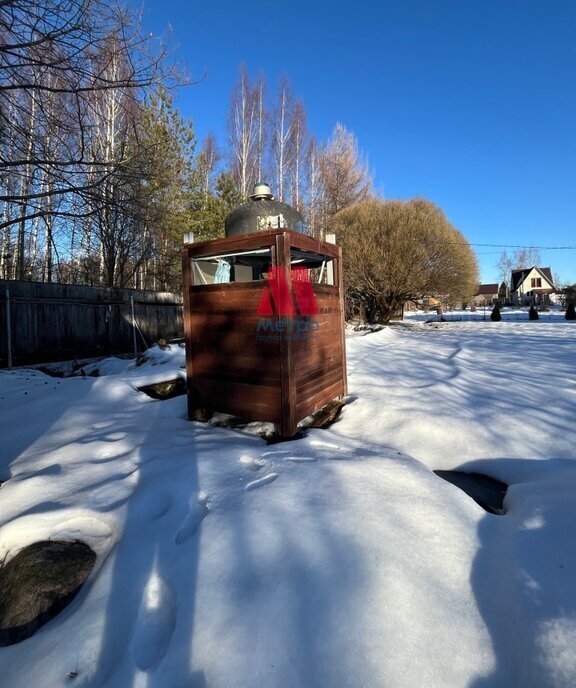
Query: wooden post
x=134 y=342
x=339 y=280
x=288 y=423
x=8 y=330
x=187 y=280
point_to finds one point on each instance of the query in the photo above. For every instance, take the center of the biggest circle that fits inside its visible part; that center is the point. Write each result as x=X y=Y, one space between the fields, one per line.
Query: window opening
x=238 y=266
x=320 y=268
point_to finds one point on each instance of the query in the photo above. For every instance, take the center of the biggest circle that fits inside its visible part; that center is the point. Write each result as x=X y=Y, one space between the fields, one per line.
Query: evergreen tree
x=168 y=186
x=495 y=315
x=209 y=212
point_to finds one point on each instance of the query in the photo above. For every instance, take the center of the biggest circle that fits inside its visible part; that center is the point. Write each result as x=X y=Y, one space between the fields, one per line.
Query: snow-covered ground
x=338 y=560
x=508 y=314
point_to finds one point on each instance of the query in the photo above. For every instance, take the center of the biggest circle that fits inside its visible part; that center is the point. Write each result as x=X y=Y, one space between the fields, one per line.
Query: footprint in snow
x=155 y=624
x=104 y=425
x=276 y=454
x=251 y=463
x=114 y=436
x=300 y=458
x=266 y=480
x=152 y=505
x=198 y=512
x=287 y=456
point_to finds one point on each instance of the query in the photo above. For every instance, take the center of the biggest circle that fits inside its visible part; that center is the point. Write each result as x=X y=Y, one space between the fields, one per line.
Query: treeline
x=100 y=175
x=91 y=148
x=268 y=139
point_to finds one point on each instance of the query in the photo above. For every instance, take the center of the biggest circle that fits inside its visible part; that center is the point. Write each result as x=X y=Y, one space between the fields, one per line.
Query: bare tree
x=243 y=133
x=523 y=257
x=526 y=257
x=504 y=266
x=314 y=193
x=54 y=56
x=261 y=117
x=345 y=175
x=206 y=163
x=299 y=146
x=282 y=137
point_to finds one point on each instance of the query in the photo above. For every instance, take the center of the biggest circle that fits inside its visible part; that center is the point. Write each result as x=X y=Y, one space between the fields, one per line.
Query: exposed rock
x=38 y=583
x=328 y=414
x=165 y=390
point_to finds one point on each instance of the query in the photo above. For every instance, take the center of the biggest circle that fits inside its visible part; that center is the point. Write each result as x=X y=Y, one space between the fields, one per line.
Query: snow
x=339 y=559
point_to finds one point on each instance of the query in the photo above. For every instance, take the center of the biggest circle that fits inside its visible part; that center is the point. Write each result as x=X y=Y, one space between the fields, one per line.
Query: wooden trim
x=338 y=267
x=264 y=239
x=188 y=281
x=288 y=420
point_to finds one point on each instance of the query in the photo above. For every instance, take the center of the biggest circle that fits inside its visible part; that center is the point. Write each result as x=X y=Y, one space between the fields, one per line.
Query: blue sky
x=469 y=104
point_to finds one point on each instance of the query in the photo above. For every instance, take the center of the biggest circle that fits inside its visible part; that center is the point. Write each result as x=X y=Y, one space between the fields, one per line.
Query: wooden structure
x=264 y=326
x=41 y=322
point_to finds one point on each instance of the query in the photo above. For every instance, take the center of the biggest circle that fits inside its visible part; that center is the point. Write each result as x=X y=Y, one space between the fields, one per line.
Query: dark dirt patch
x=165 y=390
x=488 y=492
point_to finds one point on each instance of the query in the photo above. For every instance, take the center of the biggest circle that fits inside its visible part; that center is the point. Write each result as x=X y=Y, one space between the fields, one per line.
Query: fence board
x=52 y=322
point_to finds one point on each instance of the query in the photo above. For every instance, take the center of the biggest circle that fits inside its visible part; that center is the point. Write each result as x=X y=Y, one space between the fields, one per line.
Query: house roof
x=487 y=289
x=519 y=275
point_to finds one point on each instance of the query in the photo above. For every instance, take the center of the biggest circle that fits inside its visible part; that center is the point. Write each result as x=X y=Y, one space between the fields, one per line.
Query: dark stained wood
x=288 y=421
x=231 y=397
x=194 y=407
x=339 y=278
x=234 y=367
x=308 y=405
x=52 y=322
x=262 y=239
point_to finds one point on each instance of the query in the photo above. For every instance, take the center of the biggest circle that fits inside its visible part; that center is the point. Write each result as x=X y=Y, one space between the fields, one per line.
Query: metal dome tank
x=262 y=212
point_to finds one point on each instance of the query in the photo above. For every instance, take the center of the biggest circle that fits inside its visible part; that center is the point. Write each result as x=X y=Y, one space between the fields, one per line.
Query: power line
x=539 y=248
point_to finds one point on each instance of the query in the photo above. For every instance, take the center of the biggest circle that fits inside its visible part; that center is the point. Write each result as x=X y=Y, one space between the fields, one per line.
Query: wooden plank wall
x=52 y=322
x=229 y=369
x=318 y=358
x=280 y=376
x=233 y=371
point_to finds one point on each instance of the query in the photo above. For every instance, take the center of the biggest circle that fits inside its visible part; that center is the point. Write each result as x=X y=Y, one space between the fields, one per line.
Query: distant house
x=430 y=301
x=487 y=295
x=532 y=286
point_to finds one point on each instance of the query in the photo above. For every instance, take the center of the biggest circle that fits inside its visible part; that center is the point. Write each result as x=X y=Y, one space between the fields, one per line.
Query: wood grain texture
x=54 y=322
x=281 y=372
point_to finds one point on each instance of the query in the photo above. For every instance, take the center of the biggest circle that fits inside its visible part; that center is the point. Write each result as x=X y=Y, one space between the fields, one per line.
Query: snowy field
x=508 y=313
x=336 y=561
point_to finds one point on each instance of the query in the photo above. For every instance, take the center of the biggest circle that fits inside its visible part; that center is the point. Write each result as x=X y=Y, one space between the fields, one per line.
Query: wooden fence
x=53 y=322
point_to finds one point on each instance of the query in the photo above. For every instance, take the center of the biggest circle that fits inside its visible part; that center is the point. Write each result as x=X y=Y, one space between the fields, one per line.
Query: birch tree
x=243 y=134
x=51 y=62
x=261 y=118
x=314 y=203
x=206 y=164
x=282 y=138
x=298 y=159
